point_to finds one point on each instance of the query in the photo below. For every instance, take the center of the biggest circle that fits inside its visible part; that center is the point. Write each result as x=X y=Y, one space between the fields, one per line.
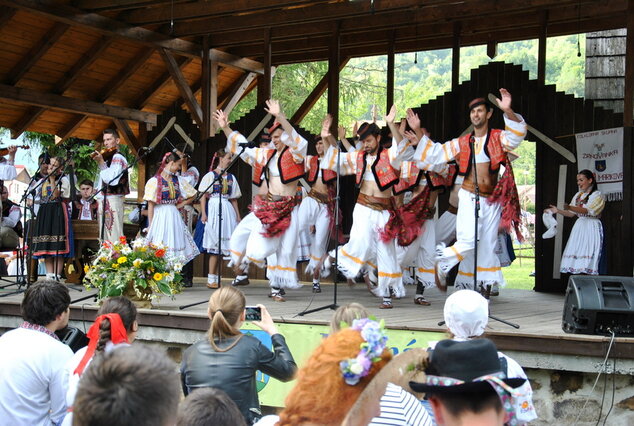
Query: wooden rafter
x=236 y=92
x=78 y=106
x=71 y=127
x=124 y=130
x=128 y=71
x=183 y=86
x=6 y=13
x=109 y=5
x=159 y=84
x=62 y=85
x=32 y=56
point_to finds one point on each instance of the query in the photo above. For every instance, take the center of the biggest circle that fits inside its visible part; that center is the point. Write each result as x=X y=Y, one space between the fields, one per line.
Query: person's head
x=586 y=181
x=209 y=407
x=346 y=314
x=46 y=302
x=54 y=165
x=326 y=388
x=110 y=138
x=480 y=113
x=220 y=160
x=466 y=314
x=370 y=137
x=133 y=385
x=462 y=383
x=42 y=161
x=171 y=162
x=276 y=135
x=5 y=193
x=226 y=312
x=86 y=188
x=265 y=139
x=320 y=147
x=127 y=312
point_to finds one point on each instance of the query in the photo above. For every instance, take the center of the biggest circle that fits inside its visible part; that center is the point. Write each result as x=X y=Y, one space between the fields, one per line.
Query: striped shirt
x=399 y=407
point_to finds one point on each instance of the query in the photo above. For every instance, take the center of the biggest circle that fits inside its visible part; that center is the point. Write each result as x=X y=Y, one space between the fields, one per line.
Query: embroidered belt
x=452 y=209
x=375 y=203
x=320 y=197
x=485 y=190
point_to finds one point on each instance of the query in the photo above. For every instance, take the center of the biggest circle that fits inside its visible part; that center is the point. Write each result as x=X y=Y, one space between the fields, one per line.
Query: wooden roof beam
x=77 y=106
x=237 y=91
x=124 y=130
x=56 y=11
x=128 y=71
x=32 y=56
x=6 y=13
x=70 y=128
x=62 y=85
x=109 y=5
x=183 y=86
x=159 y=84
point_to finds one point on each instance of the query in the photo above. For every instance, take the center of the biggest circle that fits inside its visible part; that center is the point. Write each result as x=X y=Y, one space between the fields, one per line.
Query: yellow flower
x=137 y=263
x=86 y=268
x=115 y=265
x=158 y=276
x=143 y=249
x=122 y=259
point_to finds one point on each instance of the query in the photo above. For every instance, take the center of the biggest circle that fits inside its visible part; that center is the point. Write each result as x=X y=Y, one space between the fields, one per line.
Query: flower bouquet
x=141 y=272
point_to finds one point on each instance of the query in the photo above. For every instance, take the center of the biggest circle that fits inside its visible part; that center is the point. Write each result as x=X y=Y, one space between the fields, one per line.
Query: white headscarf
x=466 y=314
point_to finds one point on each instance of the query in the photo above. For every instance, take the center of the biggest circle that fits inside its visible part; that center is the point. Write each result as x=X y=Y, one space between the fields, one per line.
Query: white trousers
x=365 y=247
x=113 y=228
x=446 y=228
x=314 y=213
x=421 y=254
x=488 y=268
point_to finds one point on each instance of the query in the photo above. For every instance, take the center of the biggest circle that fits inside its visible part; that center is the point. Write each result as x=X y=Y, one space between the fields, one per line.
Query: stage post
x=333 y=78
x=455 y=57
x=628 y=96
x=390 y=73
x=264 y=81
x=541 y=48
x=205 y=87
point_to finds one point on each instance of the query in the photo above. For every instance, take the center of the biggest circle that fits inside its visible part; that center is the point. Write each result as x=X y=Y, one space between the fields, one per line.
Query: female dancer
x=53 y=234
x=115 y=326
x=583 y=250
x=165 y=193
x=228 y=189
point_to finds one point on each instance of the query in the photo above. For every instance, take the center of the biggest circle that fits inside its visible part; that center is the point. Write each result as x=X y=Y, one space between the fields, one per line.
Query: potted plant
x=141 y=272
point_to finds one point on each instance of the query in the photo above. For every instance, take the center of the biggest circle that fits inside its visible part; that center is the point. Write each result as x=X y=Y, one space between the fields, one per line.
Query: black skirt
x=53 y=233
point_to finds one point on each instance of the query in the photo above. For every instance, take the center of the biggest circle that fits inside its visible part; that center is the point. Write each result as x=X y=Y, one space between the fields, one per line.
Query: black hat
x=367 y=129
x=466 y=362
x=477 y=102
x=265 y=137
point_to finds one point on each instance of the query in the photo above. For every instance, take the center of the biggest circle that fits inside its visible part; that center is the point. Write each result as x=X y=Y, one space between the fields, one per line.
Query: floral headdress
x=373 y=332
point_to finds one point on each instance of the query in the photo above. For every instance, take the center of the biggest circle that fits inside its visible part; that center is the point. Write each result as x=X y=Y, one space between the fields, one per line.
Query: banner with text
x=601 y=151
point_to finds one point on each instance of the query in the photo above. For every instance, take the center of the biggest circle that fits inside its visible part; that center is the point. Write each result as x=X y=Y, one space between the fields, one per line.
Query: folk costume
x=446 y=223
x=192 y=176
x=11 y=229
x=318 y=210
x=167 y=226
x=496 y=204
x=227 y=189
x=279 y=222
x=583 y=249
x=370 y=216
x=116 y=188
x=84 y=209
x=53 y=233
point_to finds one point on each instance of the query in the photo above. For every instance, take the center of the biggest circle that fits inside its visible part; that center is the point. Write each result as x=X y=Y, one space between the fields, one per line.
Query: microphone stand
x=104 y=188
x=218 y=178
x=335 y=266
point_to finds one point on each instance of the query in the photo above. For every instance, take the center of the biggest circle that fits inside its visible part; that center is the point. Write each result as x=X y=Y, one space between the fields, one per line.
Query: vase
x=144 y=300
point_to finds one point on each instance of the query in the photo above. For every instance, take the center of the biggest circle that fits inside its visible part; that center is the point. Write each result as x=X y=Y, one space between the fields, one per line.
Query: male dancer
x=318 y=208
x=115 y=187
x=490 y=147
x=277 y=212
x=376 y=170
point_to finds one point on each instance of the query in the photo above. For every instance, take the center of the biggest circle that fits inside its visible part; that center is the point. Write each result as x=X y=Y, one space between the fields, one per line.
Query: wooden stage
x=537 y=314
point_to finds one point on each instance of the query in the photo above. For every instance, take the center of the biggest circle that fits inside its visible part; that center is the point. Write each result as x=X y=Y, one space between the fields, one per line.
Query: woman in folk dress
x=228 y=189
x=165 y=193
x=583 y=250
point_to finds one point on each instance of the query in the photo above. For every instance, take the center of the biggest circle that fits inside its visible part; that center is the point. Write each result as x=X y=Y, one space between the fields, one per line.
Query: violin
x=5 y=151
x=106 y=153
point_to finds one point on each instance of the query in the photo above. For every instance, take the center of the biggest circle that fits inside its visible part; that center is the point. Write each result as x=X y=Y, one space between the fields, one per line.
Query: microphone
x=248 y=144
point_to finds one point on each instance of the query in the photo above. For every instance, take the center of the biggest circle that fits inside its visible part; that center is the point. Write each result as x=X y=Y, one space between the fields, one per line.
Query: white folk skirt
x=169 y=229
x=583 y=250
x=229 y=223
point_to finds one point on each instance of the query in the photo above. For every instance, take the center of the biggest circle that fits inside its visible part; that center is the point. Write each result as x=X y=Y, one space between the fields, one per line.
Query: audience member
x=132 y=386
x=32 y=380
x=336 y=373
x=466 y=315
x=209 y=407
x=228 y=359
x=466 y=385
x=346 y=314
x=115 y=326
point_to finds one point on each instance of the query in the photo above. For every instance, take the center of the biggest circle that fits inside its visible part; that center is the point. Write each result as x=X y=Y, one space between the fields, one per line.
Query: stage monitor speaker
x=73 y=337
x=599 y=305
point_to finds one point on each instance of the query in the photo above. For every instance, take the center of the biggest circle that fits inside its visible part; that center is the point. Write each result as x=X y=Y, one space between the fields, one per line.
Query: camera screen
x=253 y=313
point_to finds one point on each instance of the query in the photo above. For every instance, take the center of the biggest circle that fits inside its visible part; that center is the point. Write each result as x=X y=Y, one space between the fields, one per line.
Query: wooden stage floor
x=538 y=314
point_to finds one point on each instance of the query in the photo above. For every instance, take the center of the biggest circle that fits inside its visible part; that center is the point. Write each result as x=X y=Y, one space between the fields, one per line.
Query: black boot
x=188 y=274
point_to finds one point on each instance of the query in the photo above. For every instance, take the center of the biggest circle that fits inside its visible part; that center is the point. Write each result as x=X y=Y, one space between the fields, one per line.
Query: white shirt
x=399 y=407
x=108 y=174
x=13 y=218
x=32 y=380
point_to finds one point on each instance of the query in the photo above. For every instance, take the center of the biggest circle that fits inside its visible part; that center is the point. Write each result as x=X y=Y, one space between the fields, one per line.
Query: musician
x=52 y=236
x=113 y=176
x=82 y=207
x=11 y=227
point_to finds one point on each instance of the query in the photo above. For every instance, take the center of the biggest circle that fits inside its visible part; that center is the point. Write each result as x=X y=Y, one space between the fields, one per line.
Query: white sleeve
x=297 y=144
x=7 y=171
x=347 y=161
x=205 y=182
x=65 y=187
x=13 y=218
x=108 y=174
x=429 y=153
x=235 y=189
x=149 y=194
x=58 y=385
x=233 y=141
x=191 y=176
x=514 y=133
x=187 y=191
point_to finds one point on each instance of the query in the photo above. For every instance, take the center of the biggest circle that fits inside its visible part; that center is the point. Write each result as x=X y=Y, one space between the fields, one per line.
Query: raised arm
x=389 y=119
x=341 y=132
x=296 y=143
